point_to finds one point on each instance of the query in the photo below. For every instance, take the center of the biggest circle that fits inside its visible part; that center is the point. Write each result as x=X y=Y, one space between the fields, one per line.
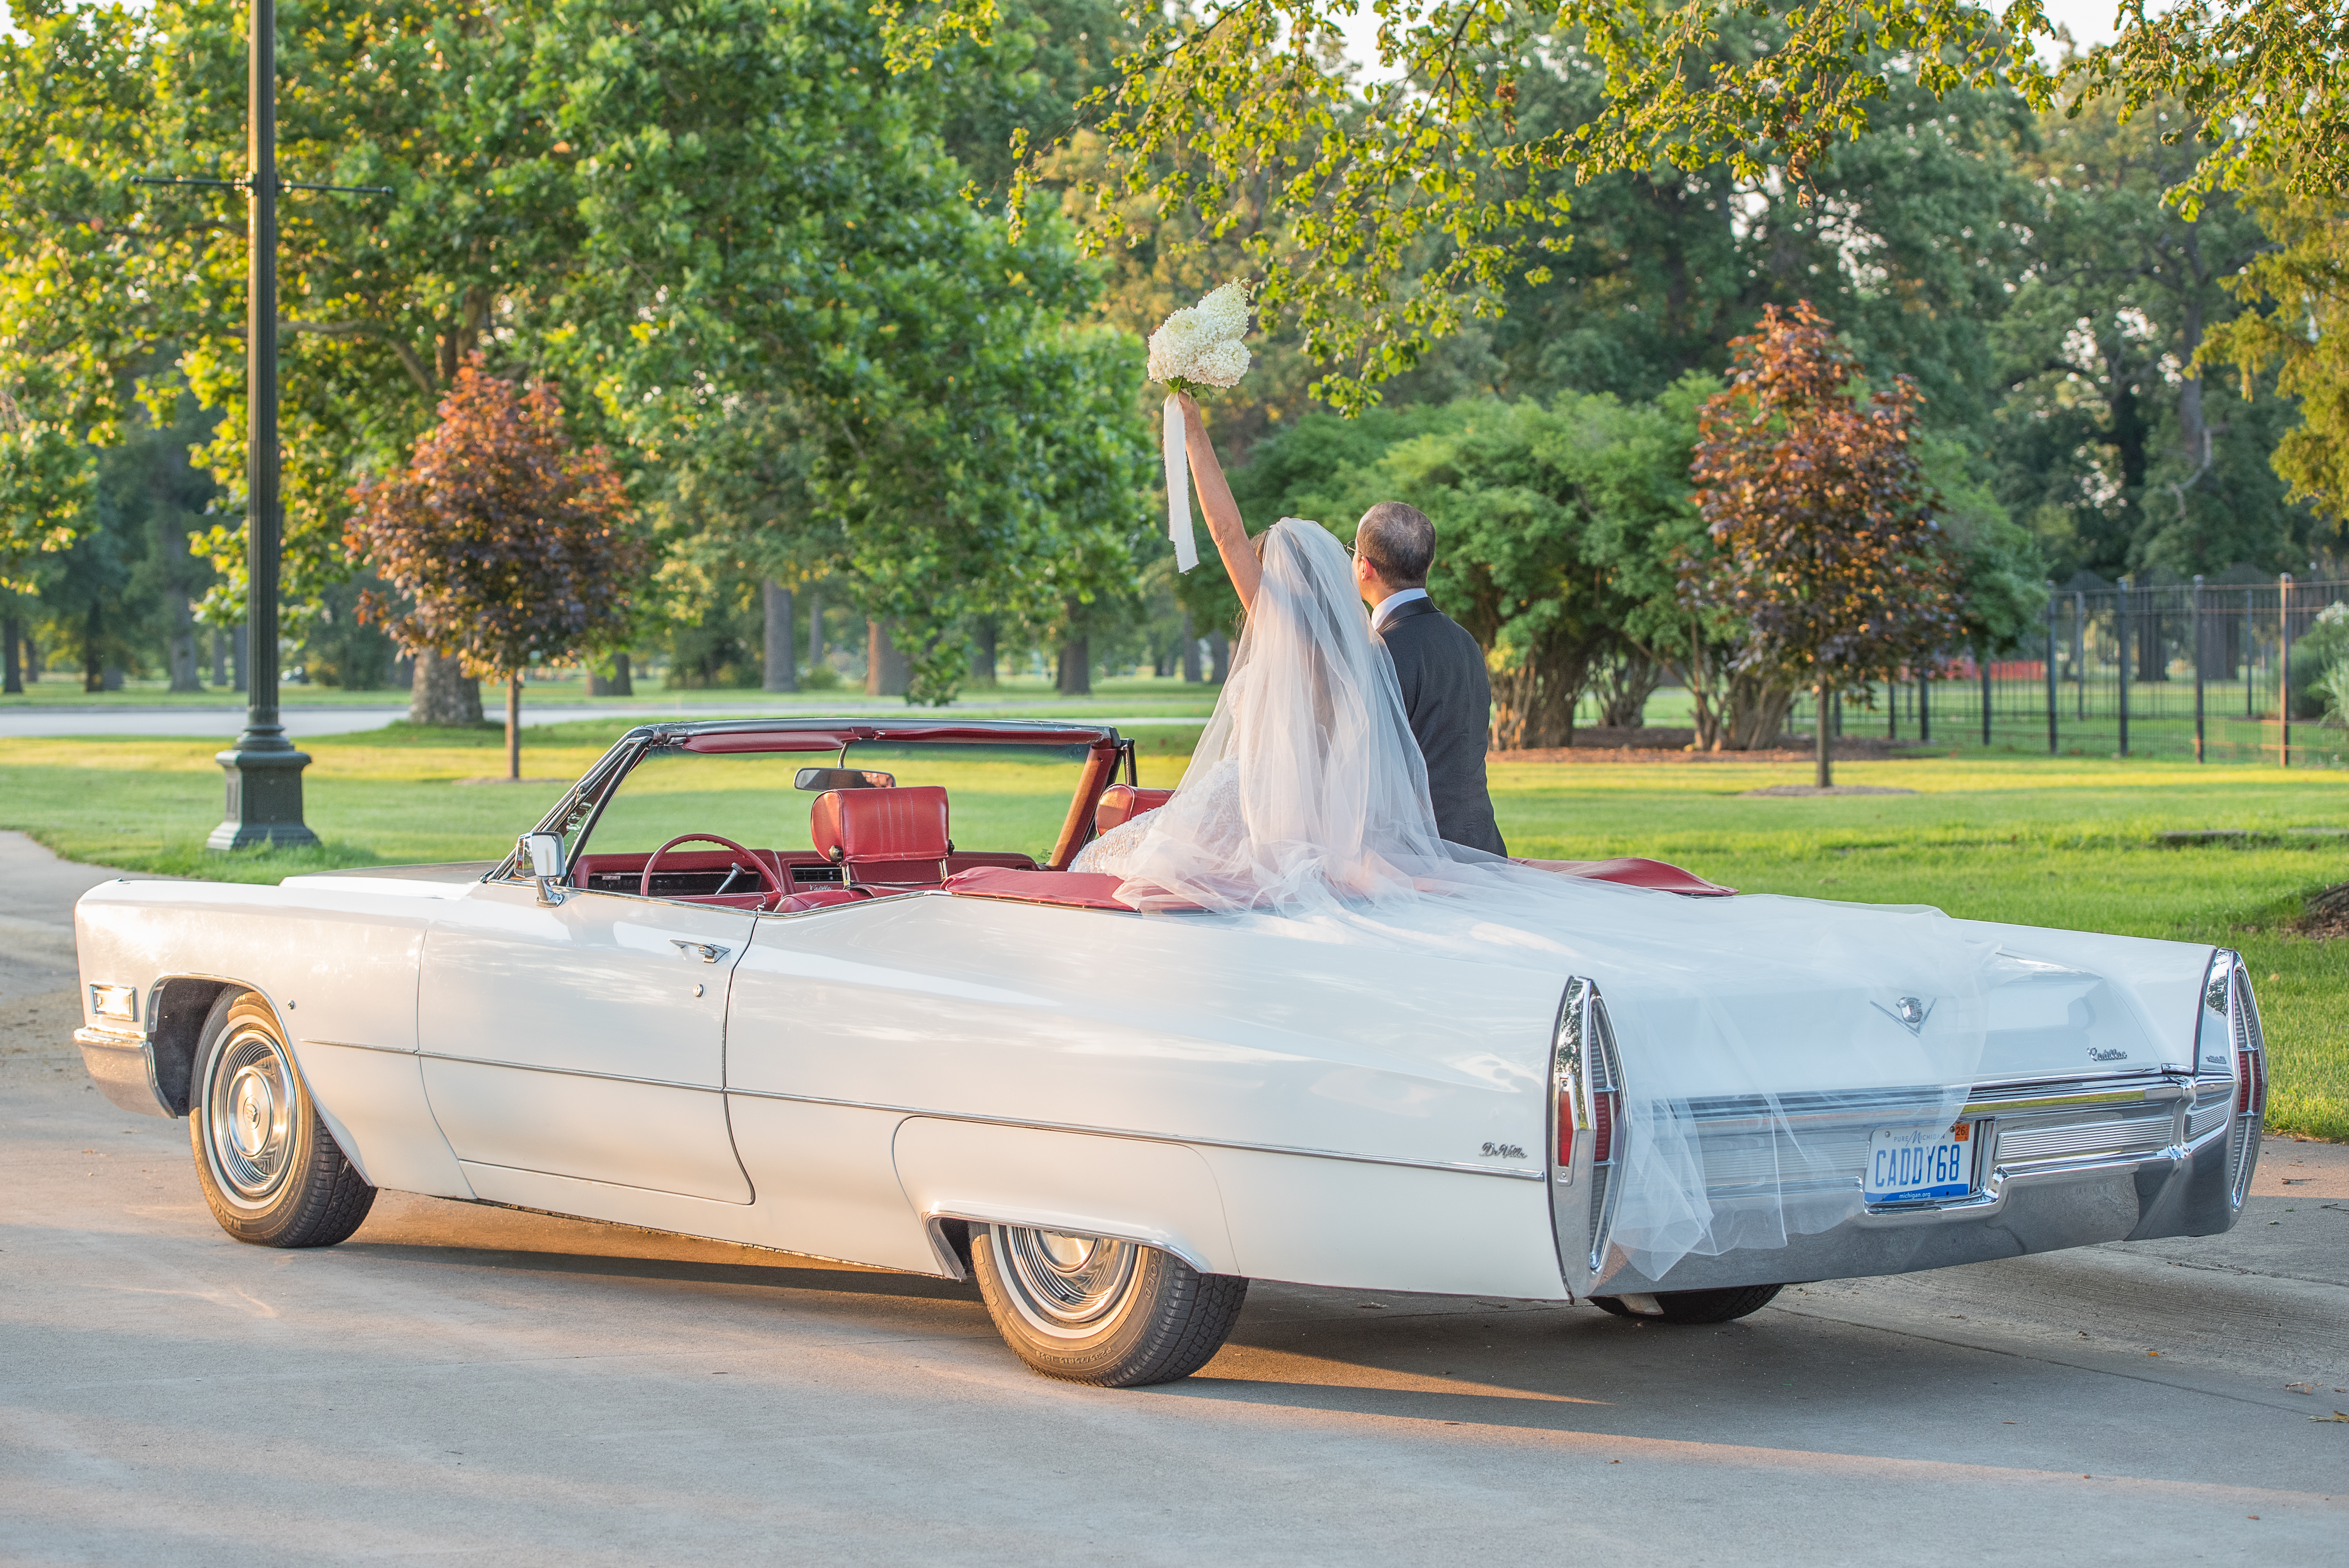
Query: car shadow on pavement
x=842 y=1281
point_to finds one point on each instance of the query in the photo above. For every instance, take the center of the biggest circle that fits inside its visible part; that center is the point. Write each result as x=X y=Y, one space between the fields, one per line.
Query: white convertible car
x=822 y=985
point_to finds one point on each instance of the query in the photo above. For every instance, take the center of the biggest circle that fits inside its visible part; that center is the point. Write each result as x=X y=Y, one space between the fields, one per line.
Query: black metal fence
x=2203 y=670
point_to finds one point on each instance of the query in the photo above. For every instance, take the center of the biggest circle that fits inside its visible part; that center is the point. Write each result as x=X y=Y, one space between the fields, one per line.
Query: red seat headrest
x=1122 y=803
x=863 y=826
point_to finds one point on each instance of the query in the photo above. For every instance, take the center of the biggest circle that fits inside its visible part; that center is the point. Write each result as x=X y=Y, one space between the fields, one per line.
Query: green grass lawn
x=2064 y=842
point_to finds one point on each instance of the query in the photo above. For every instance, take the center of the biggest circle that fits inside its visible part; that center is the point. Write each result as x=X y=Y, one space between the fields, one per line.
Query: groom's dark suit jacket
x=1449 y=701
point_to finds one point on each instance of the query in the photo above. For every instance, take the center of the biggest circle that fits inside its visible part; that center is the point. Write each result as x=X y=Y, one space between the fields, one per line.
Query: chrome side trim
x=360 y=1045
x=2096 y=1075
x=112 y=1039
x=542 y=1068
x=1460 y=1167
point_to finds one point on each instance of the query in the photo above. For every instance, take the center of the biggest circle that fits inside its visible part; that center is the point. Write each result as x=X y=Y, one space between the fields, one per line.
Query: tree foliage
x=506 y=542
x=46 y=481
x=1382 y=212
x=1826 y=546
x=2299 y=326
x=721 y=219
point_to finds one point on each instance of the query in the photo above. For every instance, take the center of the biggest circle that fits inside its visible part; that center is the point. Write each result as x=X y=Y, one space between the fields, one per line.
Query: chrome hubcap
x=249 y=1117
x=1067 y=1286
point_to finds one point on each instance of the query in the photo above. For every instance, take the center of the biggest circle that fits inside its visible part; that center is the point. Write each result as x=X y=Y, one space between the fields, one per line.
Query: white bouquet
x=1201 y=347
x=1196 y=347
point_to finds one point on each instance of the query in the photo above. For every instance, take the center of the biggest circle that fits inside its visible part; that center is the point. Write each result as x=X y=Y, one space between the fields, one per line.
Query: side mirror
x=820 y=779
x=543 y=851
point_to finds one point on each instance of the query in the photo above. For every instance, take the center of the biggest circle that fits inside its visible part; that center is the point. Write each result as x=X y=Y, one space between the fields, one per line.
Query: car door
x=584 y=1039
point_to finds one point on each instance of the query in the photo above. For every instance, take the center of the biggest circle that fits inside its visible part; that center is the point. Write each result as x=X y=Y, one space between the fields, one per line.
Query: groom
x=1441 y=669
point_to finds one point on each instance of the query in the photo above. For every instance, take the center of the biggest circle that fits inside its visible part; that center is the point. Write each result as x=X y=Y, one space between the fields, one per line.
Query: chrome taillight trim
x=1607 y=1078
x=1585 y=1064
x=1567 y=1094
x=2230 y=1064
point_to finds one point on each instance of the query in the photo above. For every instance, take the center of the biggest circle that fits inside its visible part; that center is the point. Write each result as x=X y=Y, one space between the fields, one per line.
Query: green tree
x=1908 y=235
x=723 y=205
x=2123 y=456
x=2298 y=324
x=1382 y=215
x=969 y=449
x=46 y=479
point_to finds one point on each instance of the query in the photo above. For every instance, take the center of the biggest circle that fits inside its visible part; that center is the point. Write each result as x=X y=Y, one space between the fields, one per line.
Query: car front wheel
x=270 y=1172
x=1116 y=1315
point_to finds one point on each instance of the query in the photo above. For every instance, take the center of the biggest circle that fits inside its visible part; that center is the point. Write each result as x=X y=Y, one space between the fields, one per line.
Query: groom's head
x=1394 y=545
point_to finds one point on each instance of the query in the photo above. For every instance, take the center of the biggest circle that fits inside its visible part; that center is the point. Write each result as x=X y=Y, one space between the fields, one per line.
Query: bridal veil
x=1306 y=806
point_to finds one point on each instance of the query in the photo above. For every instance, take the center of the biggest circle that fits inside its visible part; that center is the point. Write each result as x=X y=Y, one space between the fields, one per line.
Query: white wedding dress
x=1305 y=808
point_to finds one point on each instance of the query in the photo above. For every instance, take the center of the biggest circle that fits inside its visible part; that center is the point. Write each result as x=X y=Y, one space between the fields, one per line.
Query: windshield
x=1001 y=798
x=744 y=796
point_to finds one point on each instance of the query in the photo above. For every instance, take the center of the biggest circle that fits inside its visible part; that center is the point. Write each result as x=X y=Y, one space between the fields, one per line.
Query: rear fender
x=1125 y=1189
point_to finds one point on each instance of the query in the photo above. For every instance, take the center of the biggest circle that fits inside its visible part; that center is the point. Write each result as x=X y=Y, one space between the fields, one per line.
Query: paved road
x=304 y=722
x=460 y=1381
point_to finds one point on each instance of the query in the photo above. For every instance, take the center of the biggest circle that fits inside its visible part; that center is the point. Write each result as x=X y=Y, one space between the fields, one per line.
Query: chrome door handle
x=709 y=952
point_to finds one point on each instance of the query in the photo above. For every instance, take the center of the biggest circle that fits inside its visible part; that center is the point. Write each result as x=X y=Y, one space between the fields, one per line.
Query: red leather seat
x=1122 y=803
x=883 y=838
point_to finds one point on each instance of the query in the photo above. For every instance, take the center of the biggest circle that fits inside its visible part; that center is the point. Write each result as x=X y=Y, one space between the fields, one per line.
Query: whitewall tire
x=1113 y=1314
x=271 y=1173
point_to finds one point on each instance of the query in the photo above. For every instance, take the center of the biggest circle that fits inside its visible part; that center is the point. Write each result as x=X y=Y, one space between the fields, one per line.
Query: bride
x=1305 y=813
x=1307 y=786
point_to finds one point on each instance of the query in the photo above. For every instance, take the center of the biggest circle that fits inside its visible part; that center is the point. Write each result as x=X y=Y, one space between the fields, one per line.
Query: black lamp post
x=264 y=770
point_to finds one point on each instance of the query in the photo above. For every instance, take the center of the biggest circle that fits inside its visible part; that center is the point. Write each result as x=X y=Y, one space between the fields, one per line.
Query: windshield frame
x=581 y=807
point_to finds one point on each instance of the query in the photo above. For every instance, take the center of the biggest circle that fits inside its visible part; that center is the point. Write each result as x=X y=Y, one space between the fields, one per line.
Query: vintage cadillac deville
x=877 y=1021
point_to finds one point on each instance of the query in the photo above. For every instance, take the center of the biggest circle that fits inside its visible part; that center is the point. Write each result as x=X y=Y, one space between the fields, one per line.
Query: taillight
x=2243 y=1070
x=1566 y=1130
x=1602 y=1126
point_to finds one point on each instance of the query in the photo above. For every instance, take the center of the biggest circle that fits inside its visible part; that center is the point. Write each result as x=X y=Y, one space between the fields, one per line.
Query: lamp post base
x=265 y=795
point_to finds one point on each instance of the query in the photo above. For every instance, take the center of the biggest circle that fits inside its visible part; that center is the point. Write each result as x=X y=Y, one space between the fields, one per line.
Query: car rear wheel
x=1696 y=1306
x=1116 y=1315
x=270 y=1172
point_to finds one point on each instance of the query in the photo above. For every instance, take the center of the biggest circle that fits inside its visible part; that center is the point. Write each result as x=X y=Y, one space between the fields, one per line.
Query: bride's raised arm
x=1223 y=513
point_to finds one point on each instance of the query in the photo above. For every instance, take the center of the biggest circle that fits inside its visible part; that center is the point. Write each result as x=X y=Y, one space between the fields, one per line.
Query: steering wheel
x=645 y=888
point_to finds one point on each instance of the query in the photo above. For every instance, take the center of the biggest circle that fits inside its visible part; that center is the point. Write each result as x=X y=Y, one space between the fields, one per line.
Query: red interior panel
x=1634 y=871
x=1075 y=890
x=703 y=859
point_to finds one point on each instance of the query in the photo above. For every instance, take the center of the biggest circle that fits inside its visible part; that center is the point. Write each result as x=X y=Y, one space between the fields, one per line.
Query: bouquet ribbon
x=1178 y=491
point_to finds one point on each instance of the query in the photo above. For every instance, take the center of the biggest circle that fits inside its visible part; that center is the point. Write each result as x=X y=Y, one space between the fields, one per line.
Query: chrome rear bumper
x=2068 y=1161
x=2043 y=1209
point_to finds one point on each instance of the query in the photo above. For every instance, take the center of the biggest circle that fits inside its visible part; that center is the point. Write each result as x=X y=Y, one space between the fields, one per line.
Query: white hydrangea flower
x=1201 y=345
